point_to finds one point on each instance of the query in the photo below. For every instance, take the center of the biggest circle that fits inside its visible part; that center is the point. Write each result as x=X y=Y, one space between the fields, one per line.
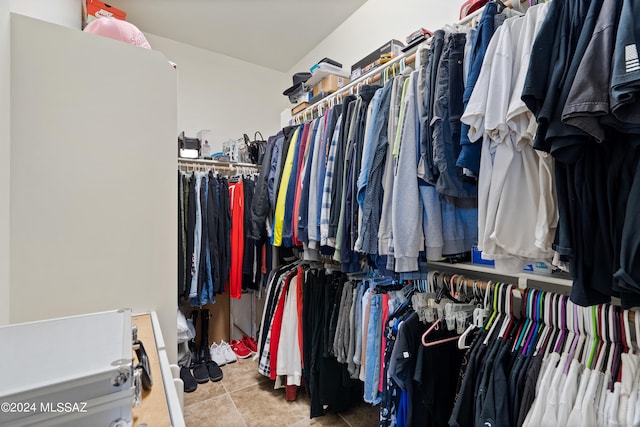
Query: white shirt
x=534 y=417
x=550 y=415
x=591 y=400
x=569 y=392
x=575 y=418
x=289 y=360
x=512 y=173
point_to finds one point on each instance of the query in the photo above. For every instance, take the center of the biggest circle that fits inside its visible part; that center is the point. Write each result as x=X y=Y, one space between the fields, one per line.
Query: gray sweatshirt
x=406 y=210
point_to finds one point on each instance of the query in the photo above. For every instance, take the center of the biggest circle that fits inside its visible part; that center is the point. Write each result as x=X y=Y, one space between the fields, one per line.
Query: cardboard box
x=393 y=47
x=330 y=84
x=95 y=9
x=295 y=110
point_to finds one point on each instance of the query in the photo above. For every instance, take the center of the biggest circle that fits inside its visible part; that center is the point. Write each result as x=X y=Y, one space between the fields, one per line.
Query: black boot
x=215 y=373
x=199 y=369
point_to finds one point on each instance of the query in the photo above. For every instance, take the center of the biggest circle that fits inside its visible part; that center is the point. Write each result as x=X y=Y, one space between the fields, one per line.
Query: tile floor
x=244 y=398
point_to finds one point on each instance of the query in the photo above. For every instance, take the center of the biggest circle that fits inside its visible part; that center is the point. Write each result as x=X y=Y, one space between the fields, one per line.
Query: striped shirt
x=325 y=212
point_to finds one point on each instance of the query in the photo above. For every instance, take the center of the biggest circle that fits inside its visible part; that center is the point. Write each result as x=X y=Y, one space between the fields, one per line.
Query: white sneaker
x=217 y=354
x=227 y=352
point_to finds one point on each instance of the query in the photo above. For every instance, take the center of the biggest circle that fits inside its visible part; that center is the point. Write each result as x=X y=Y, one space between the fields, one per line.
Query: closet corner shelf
x=522 y=278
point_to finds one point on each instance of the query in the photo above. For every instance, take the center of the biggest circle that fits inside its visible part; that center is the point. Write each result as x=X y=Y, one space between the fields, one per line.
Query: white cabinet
x=73 y=371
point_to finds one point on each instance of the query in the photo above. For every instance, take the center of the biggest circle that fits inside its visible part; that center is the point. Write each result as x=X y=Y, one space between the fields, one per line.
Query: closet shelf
x=407 y=57
x=560 y=279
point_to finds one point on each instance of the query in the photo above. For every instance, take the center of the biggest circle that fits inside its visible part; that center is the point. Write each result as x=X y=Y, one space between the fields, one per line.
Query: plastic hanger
x=637 y=329
x=593 y=335
x=462 y=339
x=561 y=306
x=572 y=337
x=618 y=343
x=494 y=314
x=600 y=353
x=433 y=327
x=524 y=319
x=507 y=312
x=626 y=333
x=548 y=328
x=587 y=322
x=505 y=309
x=551 y=339
x=538 y=324
x=536 y=315
x=497 y=313
x=610 y=341
x=529 y=295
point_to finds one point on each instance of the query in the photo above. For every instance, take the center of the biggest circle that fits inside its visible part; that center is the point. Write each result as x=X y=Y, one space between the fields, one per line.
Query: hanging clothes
x=216 y=250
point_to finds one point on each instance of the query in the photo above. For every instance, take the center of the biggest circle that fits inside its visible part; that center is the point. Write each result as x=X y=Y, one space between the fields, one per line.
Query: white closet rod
x=183 y=161
x=377 y=71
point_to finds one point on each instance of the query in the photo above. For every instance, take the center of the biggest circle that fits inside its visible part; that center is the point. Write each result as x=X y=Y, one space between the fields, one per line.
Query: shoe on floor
x=215 y=373
x=190 y=383
x=250 y=342
x=201 y=373
x=217 y=354
x=240 y=349
x=227 y=352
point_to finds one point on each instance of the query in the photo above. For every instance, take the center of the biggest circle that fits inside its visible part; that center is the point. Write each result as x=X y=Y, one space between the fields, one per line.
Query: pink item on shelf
x=118 y=29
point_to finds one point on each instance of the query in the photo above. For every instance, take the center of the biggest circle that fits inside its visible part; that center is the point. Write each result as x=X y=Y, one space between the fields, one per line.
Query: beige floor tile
x=218 y=411
x=204 y=392
x=241 y=374
x=329 y=420
x=362 y=415
x=260 y=406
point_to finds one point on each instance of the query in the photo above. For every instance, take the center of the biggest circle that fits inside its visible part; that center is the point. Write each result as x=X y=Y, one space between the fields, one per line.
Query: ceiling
x=273 y=33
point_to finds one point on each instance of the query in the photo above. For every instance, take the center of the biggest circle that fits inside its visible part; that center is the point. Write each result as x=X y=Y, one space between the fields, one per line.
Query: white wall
x=376 y=22
x=67 y=13
x=93 y=176
x=62 y=12
x=5 y=161
x=223 y=94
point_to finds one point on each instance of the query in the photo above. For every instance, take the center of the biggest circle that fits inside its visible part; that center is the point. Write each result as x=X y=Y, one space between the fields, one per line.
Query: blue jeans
x=430 y=171
x=469 y=156
x=195 y=262
x=448 y=109
x=374 y=339
x=206 y=295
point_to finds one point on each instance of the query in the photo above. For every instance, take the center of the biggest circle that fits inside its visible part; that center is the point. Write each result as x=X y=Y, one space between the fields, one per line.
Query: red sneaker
x=241 y=350
x=250 y=342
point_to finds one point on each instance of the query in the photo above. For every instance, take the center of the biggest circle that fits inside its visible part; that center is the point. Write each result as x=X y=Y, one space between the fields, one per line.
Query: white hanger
x=546 y=318
x=581 y=332
x=508 y=314
x=637 y=329
x=627 y=332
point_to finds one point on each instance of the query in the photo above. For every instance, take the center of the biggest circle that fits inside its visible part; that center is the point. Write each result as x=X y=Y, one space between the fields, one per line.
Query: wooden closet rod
x=483 y=285
x=219 y=163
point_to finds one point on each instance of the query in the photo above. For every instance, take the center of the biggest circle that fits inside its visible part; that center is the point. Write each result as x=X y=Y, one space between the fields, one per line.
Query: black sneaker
x=190 y=384
x=215 y=373
x=201 y=373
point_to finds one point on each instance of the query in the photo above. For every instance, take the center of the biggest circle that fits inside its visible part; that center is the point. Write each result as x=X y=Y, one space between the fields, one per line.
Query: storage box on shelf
x=95 y=9
x=330 y=84
x=389 y=50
